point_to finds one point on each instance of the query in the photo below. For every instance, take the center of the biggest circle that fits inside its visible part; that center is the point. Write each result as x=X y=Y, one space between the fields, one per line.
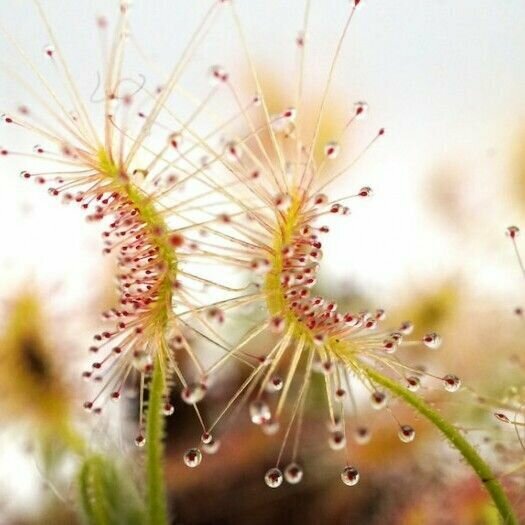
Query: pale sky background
x=445 y=77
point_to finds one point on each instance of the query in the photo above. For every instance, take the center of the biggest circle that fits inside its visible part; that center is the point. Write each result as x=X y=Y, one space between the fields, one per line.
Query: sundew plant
x=215 y=214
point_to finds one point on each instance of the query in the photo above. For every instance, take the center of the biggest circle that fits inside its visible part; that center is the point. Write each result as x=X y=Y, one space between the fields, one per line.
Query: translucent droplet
x=217 y=75
x=293 y=473
x=406 y=433
x=432 y=340
x=406 y=327
x=362 y=435
x=290 y=114
x=140 y=440
x=206 y=437
x=192 y=457
x=260 y=412
x=340 y=394
x=282 y=202
x=413 y=383
x=365 y=191
x=350 y=476
x=378 y=400
x=212 y=447
x=501 y=417
x=193 y=393
x=233 y=152
x=451 y=383
x=332 y=150
x=390 y=345
x=361 y=109
x=275 y=384
x=49 y=51
x=168 y=409
x=175 y=139
x=513 y=231
x=273 y=478
x=337 y=440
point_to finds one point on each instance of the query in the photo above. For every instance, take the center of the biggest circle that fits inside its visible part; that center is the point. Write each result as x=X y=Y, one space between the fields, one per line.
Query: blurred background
x=446 y=80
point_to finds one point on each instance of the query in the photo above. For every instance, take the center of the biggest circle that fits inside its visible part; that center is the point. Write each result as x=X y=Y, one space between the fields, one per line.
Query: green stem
x=457 y=439
x=156 y=490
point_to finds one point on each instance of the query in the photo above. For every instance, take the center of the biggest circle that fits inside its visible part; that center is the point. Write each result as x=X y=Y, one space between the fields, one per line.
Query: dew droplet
x=362 y=435
x=193 y=393
x=501 y=417
x=168 y=409
x=406 y=433
x=192 y=457
x=378 y=400
x=413 y=383
x=360 y=109
x=432 y=340
x=451 y=383
x=337 y=440
x=406 y=327
x=275 y=384
x=49 y=51
x=513 y=232
x=273 y=478
x=6 y=119
x=332 y=150
x=260 y=412
x=350 y=476
x=206 y=437
x=140 y=440
x=293 y=473
x=175 y=139
x=217 y=75
x=212 y=447
x=365 y=191
x=390 y=345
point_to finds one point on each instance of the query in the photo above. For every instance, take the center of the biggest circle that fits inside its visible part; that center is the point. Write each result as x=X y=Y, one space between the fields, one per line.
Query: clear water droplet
x=193 y=393
x=362 y=435
x=260 y=412
x=378 y=400
x=49 y=51
x=451 y=383
x=332 y=150
x=360 y=109
x=513 y=232
x=275 y=384
x=406 y=433
x=212 y=447
x=293 y=473
x=192 y=457
x=413 y=383
x=168 y=409
x=217 y=75
x=273 y=478
x=350 y=476
x=432 y=340
x=337 y=440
